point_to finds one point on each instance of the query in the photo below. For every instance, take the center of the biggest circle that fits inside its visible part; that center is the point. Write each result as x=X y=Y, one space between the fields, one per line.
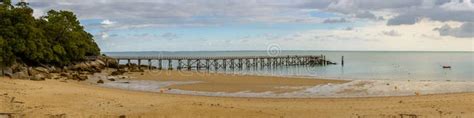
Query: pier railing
x=223 y=62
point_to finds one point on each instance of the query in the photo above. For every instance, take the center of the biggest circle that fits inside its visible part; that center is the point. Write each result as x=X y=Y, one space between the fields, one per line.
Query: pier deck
x=222 y=62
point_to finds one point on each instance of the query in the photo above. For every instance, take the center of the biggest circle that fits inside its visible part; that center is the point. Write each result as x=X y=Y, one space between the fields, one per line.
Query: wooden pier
x=222 y=62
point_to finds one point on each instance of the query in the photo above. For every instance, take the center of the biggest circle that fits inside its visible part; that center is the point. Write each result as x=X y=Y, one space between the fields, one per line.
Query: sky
x=198 y=25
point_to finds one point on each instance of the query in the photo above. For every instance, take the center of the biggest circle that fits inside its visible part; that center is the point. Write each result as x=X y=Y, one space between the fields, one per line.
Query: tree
x=69 y=39
x=55 y=39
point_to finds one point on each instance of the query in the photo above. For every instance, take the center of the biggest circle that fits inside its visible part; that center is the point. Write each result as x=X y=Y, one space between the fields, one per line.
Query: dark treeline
x=55 y=39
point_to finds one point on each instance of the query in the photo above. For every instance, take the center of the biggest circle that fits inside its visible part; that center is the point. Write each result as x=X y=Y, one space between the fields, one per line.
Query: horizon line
x=293 y=50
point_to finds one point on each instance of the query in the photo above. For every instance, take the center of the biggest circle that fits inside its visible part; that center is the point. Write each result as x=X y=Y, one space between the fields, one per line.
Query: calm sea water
x=359 y=65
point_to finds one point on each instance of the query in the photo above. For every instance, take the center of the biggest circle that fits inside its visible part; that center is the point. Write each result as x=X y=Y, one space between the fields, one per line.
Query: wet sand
x=81 y=99
x=219 y=82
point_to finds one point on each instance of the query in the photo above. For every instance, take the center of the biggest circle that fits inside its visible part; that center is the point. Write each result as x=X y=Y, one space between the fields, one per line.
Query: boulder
x=54 y=70
x=18 y=68
x=118 y=72
x=79 y=66
x=108 y=61
x=100 y=82
x=83 y=77
x=32 y=72
x=20 y=75
x=8 y=74
x=41 y=69
x=38 y=77
x=100 y=63
x=89 y=66
x=54 y=76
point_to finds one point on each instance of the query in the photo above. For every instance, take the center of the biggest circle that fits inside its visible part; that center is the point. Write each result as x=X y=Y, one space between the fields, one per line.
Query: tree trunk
x=3 y=69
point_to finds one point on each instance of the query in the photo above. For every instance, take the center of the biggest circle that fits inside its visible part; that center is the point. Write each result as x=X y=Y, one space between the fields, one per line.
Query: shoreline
x=251 y=86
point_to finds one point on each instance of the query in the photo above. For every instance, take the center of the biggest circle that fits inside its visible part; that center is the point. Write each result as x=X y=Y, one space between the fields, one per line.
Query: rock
x=32 y=72
x=6 y=71
x=417 y=93
x=100 y=82
x=83 y=77
x=19 y=68
x=124 y=77
x=111 y=79
x=84 y=72
x=79 y=66
x=135 y=69
x=90 y=66
x=65 y=74
x=54 y=70
x=100 y=63
x=73 y=76
x=108 y=61
x=118 y=72
x=20 y=75
x=38 y=77
x=8 y=74
x=41 y=69
x=54 y=76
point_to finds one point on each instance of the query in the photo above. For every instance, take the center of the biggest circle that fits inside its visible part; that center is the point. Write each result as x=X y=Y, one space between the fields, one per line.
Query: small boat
x=446 y=67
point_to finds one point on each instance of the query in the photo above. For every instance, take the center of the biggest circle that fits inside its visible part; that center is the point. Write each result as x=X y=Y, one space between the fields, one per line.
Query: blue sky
x=184 y=25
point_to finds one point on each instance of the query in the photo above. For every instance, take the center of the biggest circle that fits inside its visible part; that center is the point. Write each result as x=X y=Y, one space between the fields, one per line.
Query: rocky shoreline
x=78 y=71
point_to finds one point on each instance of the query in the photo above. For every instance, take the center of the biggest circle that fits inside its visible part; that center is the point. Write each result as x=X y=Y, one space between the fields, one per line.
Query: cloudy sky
x=185 y=25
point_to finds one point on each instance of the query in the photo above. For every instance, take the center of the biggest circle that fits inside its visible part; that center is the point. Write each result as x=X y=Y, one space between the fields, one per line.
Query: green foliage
x=55 y=39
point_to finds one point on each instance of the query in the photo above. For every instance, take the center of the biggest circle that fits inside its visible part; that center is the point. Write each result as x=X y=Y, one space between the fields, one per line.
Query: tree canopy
x=55 y=39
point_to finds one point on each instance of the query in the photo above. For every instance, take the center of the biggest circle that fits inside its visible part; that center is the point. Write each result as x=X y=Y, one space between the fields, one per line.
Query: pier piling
x=342 y=61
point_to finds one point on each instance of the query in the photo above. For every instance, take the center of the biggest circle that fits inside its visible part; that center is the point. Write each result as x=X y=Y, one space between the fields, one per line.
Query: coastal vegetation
x=56 y=39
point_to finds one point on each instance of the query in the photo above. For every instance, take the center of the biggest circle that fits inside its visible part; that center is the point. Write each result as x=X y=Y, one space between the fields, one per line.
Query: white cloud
x=407 y=19
x=341 y=20
x=169 y=36
x=418 y=36
x=104 y=35
x=107 y=22
x=466 y=30
x=456 y=5
x=391 y=33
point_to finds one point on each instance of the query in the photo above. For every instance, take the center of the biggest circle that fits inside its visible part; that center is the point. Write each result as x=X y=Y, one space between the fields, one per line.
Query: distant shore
x=85 y=99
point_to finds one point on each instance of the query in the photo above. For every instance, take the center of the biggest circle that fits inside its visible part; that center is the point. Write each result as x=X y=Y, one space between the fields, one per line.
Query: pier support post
x=216 y=64
x=342 y=61
x=207 y=64
x=170 y=66
x=224 y=64
x=232 y=64
x=255 y=62
x=198 y=64
x=139 y=64
x=160 y=64
x=247 y=63
x=324 y=59
x=240 y=63
x=189 y=64
x=179 y=64
x=149 y=64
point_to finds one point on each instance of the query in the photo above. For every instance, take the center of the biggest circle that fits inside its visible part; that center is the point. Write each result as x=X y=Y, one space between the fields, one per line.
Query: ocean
x=358 y=65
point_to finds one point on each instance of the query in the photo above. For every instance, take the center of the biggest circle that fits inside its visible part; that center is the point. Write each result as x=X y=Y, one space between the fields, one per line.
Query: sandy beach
x=83 y=99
